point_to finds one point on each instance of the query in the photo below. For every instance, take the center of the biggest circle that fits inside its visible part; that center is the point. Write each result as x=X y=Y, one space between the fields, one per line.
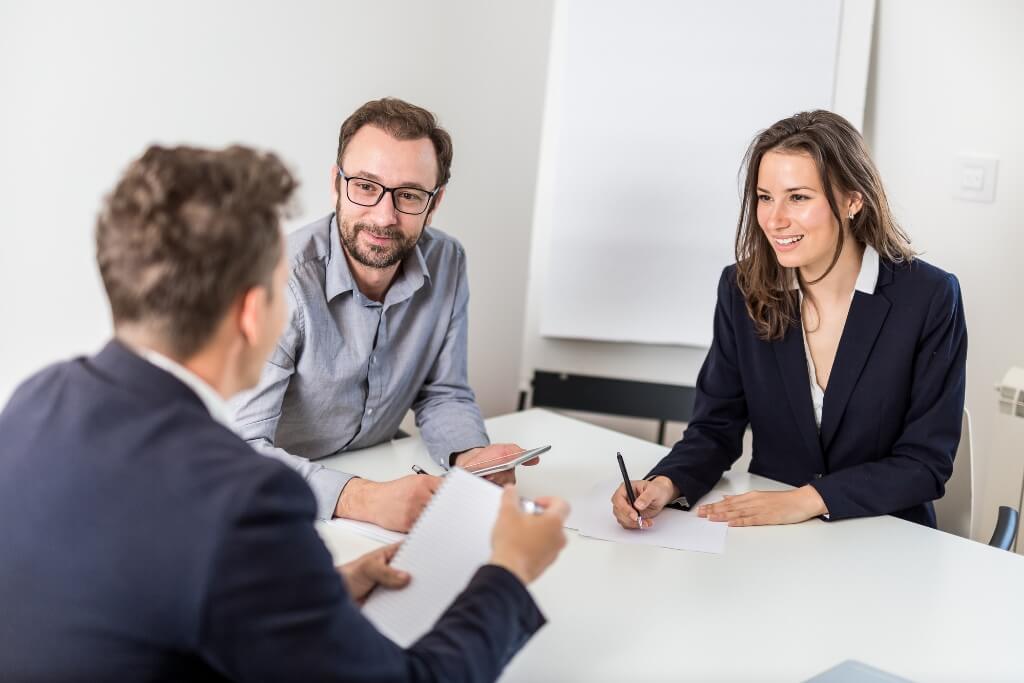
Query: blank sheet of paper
x=368 y=530
x=592 y=516
x=448 y=543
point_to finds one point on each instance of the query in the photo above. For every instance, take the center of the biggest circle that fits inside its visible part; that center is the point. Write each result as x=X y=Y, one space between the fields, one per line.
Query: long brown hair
x=844 y=164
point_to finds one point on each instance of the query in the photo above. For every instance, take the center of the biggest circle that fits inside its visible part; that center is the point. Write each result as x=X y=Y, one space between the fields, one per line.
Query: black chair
x=630 y=398
x=1006 y=528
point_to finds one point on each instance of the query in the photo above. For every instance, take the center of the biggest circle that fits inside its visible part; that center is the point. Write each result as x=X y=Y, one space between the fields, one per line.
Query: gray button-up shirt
x=347 y=369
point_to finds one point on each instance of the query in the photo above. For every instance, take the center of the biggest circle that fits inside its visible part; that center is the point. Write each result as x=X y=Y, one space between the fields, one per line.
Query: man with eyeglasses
x=378 y=325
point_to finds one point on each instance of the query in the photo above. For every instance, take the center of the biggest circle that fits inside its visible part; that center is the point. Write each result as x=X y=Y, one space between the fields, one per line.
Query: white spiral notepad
x=448 y=543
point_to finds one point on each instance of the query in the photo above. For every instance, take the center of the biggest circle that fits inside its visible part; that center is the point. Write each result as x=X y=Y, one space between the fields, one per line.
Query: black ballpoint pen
x=629 y=490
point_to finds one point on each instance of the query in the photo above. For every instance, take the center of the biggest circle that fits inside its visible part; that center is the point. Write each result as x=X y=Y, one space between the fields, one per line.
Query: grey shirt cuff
x=442 y=446
x=327 y=485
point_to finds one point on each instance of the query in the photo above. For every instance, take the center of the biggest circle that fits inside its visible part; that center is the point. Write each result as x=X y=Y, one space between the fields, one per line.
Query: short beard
x=375 y=256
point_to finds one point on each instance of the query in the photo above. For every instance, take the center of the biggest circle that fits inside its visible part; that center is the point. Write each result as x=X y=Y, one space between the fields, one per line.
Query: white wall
x=947 y=82
x=84 y=87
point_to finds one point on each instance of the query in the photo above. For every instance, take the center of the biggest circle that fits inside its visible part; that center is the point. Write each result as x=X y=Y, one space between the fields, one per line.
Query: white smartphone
x=504 y=462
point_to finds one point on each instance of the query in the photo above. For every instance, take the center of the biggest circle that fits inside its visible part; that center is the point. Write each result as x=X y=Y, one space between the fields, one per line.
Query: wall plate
x=974 y=179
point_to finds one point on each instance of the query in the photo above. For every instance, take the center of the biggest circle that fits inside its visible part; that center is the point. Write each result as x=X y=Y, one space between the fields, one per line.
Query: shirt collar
x=339 y=277
x=867 y=278
x=213 y=401
x=411 y=277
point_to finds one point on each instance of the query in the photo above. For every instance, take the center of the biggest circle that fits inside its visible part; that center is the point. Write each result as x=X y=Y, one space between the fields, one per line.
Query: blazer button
x=817 y=476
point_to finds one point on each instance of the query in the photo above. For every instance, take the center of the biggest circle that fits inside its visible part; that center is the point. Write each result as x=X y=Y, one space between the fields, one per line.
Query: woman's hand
x=757 y=508
x=651 y=498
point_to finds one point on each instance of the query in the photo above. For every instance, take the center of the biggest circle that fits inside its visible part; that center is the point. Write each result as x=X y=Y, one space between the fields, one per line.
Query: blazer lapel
x=864 y=322
x=792 y=360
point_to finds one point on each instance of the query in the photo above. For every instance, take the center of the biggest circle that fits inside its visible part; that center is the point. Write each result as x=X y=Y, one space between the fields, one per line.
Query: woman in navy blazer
x=843 y=352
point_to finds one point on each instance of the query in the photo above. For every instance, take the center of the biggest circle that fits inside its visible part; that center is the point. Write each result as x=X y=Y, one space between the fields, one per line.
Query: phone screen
x=505 y=462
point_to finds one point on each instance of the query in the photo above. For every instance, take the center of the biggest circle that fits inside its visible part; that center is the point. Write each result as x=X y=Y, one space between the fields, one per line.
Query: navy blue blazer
x=141 y=540
x=891 y=418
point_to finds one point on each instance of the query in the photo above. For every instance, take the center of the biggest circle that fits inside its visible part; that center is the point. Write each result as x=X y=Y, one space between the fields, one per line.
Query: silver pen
x=530 y=507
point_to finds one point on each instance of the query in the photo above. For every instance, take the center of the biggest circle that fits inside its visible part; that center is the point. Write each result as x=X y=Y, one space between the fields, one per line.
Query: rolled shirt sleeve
x=446 y=411
x=257 y=413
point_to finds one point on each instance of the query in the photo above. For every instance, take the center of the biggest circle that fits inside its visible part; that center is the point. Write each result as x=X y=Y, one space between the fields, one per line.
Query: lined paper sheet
x=448 y=543
x=592 y=516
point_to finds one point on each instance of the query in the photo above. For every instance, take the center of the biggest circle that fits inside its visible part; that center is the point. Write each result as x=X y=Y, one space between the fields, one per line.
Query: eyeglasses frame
x=392 y=190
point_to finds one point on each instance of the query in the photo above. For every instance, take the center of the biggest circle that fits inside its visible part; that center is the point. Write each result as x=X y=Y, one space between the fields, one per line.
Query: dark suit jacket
x=141 y=540
x=892 y=412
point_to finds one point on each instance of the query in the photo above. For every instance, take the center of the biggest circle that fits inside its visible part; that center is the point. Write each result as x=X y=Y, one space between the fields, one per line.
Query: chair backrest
x=610 y=396
x=954 y=510
x=1006 y=528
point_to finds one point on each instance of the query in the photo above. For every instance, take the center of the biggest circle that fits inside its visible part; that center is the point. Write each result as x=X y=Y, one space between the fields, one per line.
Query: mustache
x=387 y=232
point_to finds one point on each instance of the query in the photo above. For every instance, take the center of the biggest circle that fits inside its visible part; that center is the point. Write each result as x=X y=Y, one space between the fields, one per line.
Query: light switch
x=974 y=179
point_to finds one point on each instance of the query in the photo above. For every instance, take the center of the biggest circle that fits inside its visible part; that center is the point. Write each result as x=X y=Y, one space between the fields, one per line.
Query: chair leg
x=522 y=401
x=661 y=432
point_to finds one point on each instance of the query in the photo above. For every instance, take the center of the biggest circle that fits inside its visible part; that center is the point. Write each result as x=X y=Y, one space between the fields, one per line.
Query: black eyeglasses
x=366 y=192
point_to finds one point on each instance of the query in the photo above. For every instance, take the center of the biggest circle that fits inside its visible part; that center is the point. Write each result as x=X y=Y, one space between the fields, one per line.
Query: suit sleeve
x=276 y=608
x=921 y=460
x=446 y=411
x=257 y=413
x=713 y=439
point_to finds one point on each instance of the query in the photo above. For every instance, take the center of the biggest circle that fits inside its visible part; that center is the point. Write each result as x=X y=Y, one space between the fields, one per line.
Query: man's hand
x=651 y=498
x=393 y=505
x=766 y=507
x=363 y=574
x=492 y=452
x=526 y=544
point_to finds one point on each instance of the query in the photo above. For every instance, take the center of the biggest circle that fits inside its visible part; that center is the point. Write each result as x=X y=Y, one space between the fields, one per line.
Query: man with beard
x=142 y=540
x=378 y=325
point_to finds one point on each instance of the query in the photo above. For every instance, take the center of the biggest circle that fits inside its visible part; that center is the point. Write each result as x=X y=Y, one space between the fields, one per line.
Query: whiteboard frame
x=649 y=362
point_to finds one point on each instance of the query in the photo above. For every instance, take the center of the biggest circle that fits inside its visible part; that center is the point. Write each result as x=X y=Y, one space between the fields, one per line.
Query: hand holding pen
x=648 y=499
x=628 y=487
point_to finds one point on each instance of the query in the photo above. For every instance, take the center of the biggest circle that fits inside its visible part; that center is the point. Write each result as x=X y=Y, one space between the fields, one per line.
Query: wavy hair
x=185 y=232
x=844 y=165
x=403 y=121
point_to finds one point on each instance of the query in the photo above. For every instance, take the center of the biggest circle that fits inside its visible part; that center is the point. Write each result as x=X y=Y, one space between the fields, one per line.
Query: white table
x=781 y=604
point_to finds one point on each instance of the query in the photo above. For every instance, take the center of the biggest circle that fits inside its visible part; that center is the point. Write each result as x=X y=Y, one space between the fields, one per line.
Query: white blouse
x=867 y=279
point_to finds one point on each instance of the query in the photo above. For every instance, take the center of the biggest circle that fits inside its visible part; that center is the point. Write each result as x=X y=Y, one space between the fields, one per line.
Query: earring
x=852 y=214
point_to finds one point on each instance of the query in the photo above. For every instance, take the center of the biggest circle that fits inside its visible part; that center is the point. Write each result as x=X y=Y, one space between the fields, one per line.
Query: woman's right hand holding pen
x=651 y=498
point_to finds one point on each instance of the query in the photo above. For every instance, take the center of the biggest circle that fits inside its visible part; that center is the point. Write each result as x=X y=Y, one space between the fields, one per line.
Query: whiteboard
x=653 y=104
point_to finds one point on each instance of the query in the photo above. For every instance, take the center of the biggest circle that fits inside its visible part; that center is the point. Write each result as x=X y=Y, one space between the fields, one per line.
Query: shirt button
x=373 y=359
x=369 y=411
